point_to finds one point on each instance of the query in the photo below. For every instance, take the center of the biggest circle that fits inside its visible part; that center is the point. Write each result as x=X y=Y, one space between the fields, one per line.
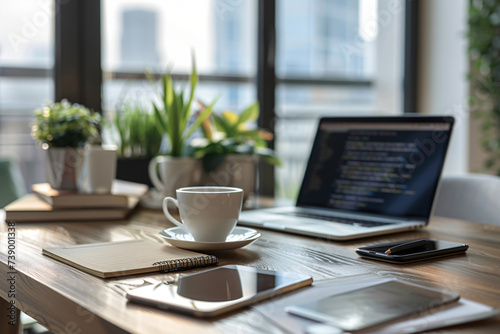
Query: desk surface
x=65 y=299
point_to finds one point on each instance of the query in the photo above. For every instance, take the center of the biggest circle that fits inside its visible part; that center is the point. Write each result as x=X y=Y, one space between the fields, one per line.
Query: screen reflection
x=226 y=284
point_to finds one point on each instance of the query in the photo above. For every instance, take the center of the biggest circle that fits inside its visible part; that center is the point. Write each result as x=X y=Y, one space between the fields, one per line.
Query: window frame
x=78 y=74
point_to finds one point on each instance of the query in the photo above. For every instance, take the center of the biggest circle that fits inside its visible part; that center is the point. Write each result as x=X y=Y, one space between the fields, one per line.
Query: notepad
x=113 y=259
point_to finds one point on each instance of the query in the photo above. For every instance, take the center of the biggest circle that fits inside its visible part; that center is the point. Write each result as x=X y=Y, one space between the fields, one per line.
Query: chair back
x=12 y=185
x=471 y=197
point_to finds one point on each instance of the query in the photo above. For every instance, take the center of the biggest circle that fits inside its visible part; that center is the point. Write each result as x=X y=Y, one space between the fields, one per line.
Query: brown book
x=118 y=198
x=113 y=259
x=30 y=207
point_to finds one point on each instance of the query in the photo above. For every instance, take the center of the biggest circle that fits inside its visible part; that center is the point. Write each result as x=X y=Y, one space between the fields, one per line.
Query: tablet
x=216 y=291
x=373 y=305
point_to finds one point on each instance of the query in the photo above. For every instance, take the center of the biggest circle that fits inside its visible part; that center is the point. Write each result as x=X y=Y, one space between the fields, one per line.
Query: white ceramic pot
x=170 y=173
x=64 y=165
x=99 y=169
x=237 y=170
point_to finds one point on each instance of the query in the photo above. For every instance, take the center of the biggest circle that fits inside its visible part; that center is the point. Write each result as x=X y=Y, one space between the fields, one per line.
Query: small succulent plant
x=65 y=124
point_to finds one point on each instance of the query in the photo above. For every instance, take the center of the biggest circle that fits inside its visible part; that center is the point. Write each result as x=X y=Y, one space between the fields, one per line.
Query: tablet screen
x=226 y=284
x=213 y=292
x=372 y=305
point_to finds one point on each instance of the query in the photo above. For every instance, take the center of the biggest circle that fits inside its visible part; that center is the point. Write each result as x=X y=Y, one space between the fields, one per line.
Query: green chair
x=12 y=184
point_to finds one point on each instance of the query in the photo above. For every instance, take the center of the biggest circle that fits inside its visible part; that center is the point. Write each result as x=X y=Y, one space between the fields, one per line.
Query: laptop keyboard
x=349 y=221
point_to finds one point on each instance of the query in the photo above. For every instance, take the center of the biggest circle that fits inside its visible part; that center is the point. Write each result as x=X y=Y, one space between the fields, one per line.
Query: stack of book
x=47 y=204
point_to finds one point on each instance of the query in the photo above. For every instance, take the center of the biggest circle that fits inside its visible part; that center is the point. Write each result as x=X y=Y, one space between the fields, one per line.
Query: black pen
x=406 y=245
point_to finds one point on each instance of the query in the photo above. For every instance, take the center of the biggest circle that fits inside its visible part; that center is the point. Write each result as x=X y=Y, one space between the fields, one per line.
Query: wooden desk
x=67 y=300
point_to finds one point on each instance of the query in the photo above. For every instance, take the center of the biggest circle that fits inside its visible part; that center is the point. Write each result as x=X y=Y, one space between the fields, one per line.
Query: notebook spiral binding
x=182 y=264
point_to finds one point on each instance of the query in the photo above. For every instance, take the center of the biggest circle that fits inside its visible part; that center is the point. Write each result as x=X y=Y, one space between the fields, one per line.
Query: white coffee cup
x=208 y=213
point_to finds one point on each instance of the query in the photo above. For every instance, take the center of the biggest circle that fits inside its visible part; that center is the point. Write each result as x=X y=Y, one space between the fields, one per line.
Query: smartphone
x=373 y=305
x=432 y=249
x=216 y=291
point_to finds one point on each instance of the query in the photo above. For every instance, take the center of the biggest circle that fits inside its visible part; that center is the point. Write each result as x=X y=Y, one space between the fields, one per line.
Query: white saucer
x=239 y=237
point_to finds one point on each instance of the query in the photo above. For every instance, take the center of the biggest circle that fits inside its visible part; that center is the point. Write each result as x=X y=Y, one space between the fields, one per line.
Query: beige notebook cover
x=113 y=259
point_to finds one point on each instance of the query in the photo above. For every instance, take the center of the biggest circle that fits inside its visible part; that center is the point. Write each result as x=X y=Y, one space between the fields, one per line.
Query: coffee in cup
x=208 y=213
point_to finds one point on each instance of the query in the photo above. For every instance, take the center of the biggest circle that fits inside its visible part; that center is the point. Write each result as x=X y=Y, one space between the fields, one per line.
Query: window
x=26 y=63
x=161 y=35
x=332 y=57
x=329 y=62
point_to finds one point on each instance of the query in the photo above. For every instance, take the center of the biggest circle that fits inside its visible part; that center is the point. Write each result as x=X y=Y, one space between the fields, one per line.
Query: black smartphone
x=431 y=249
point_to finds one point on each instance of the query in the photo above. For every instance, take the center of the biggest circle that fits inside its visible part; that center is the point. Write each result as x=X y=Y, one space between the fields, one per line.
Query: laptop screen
x=380 y=165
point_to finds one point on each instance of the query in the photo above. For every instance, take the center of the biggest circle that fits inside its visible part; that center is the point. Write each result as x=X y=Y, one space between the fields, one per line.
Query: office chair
x=471 y=197
x=12 y=184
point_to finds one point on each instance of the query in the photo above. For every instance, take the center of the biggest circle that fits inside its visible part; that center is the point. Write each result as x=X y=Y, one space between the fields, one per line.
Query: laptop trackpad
x=300 y=225
x=280 y=223
x=326 y=229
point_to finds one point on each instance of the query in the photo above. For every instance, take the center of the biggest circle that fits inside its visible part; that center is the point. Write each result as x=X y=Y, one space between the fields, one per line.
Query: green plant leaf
x=152 y=81
x=200 y=119
x=184 y=114
x=193 y=80
x=221 y=124
x=175 y=132
x=63 y=124
x=251 y=113
x=168 y=92
x=271 y=159
x=159 y=118
x=117 y=121
x=268 y=155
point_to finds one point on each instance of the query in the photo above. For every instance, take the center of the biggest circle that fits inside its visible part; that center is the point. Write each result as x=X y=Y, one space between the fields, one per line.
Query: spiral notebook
x=113 y=259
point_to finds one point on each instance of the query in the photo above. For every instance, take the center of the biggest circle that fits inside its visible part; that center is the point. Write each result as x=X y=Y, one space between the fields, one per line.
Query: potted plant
x=175 y=119
x=484 y=77
x=138 y=137
x=230 y=150
x=63 y=129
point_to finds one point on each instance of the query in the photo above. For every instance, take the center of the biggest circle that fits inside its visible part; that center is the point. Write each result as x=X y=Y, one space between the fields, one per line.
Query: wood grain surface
x=67 y=300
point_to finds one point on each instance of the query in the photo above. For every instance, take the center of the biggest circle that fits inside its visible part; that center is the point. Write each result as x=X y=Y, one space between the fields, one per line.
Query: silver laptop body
x=365 y=176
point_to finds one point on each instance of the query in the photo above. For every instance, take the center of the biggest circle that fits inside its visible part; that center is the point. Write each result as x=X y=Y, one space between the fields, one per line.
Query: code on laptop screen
x=385 y=168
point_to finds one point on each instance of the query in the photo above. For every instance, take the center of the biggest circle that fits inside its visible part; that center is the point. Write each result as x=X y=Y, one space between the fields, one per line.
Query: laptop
x=365 y=176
